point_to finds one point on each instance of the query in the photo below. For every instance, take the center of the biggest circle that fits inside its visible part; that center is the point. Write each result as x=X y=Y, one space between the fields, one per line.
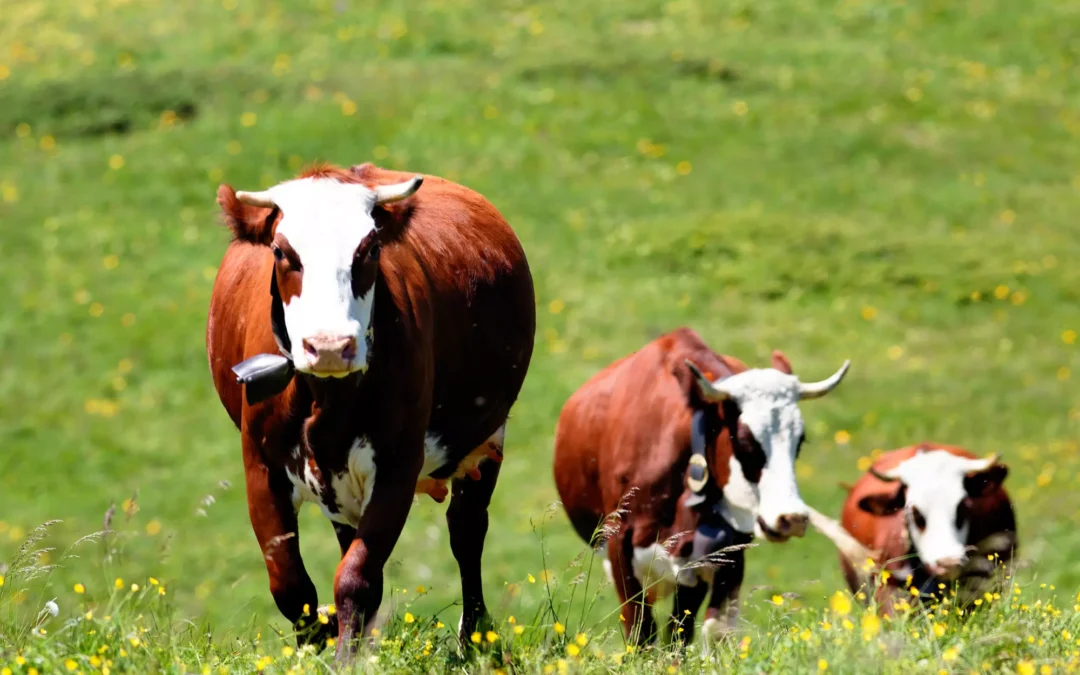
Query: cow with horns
x=928 y=514
x=368 y=338
x=673 y=455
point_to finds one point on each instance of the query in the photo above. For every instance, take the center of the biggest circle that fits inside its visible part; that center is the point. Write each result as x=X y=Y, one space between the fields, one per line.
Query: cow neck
x=331 y=423
x=705 y=497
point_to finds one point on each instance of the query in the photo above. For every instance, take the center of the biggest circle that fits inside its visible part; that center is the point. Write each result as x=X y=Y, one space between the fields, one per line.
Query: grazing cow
x=921 y=512
x=405 y=318
x=695 y=453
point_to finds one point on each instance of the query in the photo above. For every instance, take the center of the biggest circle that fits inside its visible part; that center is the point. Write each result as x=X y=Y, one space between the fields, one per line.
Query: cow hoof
x=715 y=630
x=313 y=631
x=479 y=622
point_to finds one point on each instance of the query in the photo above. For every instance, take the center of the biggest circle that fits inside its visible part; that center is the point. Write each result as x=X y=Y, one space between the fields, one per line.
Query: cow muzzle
x=946 y=568
x=329 y=355
x=786 y=526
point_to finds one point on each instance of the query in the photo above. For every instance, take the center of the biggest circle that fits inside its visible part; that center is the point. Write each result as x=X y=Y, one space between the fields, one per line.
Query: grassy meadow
x=893 y=182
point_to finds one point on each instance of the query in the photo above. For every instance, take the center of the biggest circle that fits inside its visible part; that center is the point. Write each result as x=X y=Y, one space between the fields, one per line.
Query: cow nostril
x=348 y=352
x=310 y=348
x=783 y=525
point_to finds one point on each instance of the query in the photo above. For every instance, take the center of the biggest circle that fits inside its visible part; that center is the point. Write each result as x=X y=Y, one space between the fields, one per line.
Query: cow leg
x=688 y=601
x=723 y=609
x=345 y=535
x=467 y=522
x=358 y=583
x=274 y=520
x=634 y=608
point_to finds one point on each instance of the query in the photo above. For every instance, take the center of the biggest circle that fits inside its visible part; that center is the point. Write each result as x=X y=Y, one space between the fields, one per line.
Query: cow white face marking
x=935 y=502
x=324 y=222
x=761 y=494
x=772 y=507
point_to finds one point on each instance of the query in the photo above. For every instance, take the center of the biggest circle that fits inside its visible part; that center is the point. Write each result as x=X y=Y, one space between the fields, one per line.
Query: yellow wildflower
x=822 y=665
x=475 y=637
x=840 y=603
x=581 y=639
x=491 y=636
x=80 y=589
x=409 y=618
x=119 y=583
x=778 y=600
x=573 y=650
x=559 y=628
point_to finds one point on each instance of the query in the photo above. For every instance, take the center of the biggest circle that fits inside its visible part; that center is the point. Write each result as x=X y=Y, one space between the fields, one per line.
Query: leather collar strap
x=277 y=319
x=267 y=375
x=697 y=475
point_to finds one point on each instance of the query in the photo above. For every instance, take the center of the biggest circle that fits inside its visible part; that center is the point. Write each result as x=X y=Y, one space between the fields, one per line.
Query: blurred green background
x=893 y=182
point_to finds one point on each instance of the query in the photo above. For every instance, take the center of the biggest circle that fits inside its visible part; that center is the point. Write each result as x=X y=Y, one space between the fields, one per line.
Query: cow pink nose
x=792 y=524
x=945 y=566
x=330 y=353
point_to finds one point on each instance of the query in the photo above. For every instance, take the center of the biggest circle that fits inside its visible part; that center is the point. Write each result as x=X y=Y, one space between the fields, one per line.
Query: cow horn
x=709 y=390
x=819 y=389
x=977 y=465
x=384 y=194
x=849 y=547
x=883 y=476
x=257 y=198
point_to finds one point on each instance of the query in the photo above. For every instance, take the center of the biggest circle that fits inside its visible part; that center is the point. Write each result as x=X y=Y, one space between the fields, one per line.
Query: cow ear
x=986 y=482
x=252 y=224
x=780 y=362
x=884 y=503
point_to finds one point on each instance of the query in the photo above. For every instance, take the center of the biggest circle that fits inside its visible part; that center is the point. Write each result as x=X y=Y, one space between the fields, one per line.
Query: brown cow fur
x=623 y=444
x=886 y=535
x=454 y=323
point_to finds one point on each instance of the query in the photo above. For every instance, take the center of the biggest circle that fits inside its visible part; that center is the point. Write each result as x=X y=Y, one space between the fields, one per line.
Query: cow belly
x=343 y=496
x=659 y=572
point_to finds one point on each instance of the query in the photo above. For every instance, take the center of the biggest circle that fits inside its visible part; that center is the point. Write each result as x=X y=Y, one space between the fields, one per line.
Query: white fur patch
x=715 y=629
x=434 y=455
x=324 y=221
x=658 y=571
x=739 y=506
x=354 y=486
x=769 y=403
x=350 y=489
x=305 y=487
x=935 y=486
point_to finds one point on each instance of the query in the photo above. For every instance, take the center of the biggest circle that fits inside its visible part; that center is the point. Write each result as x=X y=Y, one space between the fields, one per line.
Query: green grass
x=896 y=183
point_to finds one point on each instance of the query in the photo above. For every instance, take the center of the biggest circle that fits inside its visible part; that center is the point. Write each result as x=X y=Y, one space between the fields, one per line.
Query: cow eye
x=374 y=255
x=917 y=516
x=279 y=255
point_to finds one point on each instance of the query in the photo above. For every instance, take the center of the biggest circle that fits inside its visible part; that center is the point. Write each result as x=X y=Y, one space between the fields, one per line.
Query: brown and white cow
x=696 y=451
x=406 y=319
x=927 y=513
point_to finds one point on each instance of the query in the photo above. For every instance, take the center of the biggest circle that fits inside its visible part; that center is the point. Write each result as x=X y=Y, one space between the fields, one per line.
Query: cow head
x=326 y=259
x=936 y=489
x=761 y=494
